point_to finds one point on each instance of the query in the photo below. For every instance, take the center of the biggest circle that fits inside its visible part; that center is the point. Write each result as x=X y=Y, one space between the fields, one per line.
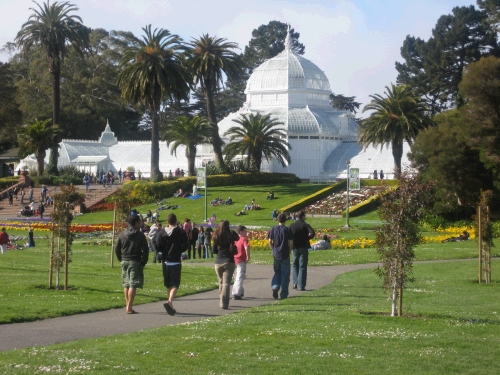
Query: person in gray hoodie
x=133 y=252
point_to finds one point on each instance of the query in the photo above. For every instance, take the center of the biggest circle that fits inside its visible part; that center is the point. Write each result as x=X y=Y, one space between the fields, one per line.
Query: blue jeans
x=281 y=276
x=300 y=259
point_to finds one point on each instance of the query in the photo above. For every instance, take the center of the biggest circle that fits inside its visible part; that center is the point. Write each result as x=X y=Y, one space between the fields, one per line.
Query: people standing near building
x=224 y=237
x=200 y=246
x=4 y=240
x=241 y=259
x=171 y=242
x=281 y=241
x=208 y=242
x=302 y=233
x=120 y=176
x=132 y=251
x=41 y=210
x=381 y=174
x=86 y=181
x=11 y=197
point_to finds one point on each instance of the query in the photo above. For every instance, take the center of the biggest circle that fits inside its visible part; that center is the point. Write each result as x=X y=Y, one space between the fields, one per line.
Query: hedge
x=145 y=192
x=7 y=182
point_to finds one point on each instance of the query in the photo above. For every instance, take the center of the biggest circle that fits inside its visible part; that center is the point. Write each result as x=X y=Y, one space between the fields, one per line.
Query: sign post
x=201 y=181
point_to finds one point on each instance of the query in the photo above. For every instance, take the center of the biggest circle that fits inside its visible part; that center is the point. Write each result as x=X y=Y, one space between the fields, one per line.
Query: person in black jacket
x=132 y=251
x=171 y=242
x=302 y=233
x=224 y=263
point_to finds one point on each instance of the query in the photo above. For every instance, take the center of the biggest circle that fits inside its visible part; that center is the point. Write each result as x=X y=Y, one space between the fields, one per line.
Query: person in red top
x=241 y=259
x=4 y=240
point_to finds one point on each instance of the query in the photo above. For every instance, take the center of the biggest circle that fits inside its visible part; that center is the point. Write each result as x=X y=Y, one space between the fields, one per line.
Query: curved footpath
x=152 y=315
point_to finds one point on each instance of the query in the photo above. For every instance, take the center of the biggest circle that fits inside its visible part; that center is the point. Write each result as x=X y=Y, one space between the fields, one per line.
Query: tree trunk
x=394 y=309
x=216 y=139
x=397 y=153
x=41 y=164
x=56 y=117
x=191 y=157
x=155 y=146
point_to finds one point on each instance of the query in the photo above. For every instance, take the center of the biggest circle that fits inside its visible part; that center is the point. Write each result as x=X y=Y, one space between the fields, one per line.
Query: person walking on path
x=4 y=240
x=224 y=237
x=11 y=198
x=30 y=195
x=281 y=241
x=171 y=242
x=133 y=252
x=22 y=196
x=43 y=193
x=86 y=181
x=302 y=233
x=241 y=259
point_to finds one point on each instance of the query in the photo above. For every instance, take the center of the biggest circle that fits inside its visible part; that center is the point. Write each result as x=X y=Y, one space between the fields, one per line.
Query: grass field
x=451 y=327
x=95 y=286
x=241 y=195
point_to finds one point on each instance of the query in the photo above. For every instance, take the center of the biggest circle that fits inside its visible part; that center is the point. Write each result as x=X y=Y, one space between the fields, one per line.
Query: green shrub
x=7 y=182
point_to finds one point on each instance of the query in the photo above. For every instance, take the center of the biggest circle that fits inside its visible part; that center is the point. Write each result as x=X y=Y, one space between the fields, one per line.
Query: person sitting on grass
x=271 y=195
x=275 y=214
x=323 y=244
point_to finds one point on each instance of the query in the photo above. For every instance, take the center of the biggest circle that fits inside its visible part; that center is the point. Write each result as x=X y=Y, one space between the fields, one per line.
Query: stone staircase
x=95 y=195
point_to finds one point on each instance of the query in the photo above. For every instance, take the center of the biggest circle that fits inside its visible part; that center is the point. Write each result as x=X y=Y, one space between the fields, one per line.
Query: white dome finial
x=288 y=40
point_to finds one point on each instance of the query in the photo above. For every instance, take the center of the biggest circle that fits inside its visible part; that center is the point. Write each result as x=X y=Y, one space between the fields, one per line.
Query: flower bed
x=40 y=226
x=335 y=203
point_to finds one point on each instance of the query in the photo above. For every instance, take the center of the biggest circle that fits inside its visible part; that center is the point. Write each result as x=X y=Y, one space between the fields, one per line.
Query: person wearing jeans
x=302 y=233
x=281 y=241
x=241 y=259
x=224 y=263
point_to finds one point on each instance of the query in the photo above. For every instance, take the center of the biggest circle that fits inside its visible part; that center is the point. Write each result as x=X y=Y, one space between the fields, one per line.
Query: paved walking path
x=189 y=308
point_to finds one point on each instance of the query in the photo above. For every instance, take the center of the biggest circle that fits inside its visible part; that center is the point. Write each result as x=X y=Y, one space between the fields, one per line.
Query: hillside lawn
x=451 y=326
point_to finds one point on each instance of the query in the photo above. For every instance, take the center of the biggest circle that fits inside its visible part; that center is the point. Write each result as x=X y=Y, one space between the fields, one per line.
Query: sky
x=355 y=43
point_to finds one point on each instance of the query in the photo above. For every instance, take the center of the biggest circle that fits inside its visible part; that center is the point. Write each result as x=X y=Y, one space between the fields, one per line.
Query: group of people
x=232 y=250
x=377 y=175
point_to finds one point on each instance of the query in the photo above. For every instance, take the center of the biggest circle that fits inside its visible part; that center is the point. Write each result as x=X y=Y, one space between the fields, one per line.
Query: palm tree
x=258 y=136
x=154 y=71
x=52 y=28
x=211 y=59
x=36 y=138
x=396 y=118
x=187 y=132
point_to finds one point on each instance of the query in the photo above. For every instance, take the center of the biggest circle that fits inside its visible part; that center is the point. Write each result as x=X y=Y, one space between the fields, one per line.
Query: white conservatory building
x=289 y=88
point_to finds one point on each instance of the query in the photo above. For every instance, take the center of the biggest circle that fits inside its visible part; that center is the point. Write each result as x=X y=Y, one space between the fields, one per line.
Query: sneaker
x=275 y=293
x=294 y=286
x=235 y=297
x=302 y=289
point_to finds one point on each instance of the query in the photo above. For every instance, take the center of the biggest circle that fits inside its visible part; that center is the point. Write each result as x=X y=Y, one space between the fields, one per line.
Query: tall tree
x=187 y=132
x=395 y=119
x=36 y=138
x=441 y=155
x=154 y=71
x=481 y=91
x=52 y=27
x=10 y=115
x=269 y=41
x=258 y=136
x=211 y=59
x=492 y=9
x=434 y=68
x=344 y=103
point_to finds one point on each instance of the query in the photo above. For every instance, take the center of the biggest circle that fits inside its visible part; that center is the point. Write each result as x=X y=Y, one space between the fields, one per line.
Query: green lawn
x=241 y=195
x=451 y=327
x=94 y=285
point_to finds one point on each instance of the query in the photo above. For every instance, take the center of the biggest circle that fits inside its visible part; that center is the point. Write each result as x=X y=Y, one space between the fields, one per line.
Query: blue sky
x=354 y=42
